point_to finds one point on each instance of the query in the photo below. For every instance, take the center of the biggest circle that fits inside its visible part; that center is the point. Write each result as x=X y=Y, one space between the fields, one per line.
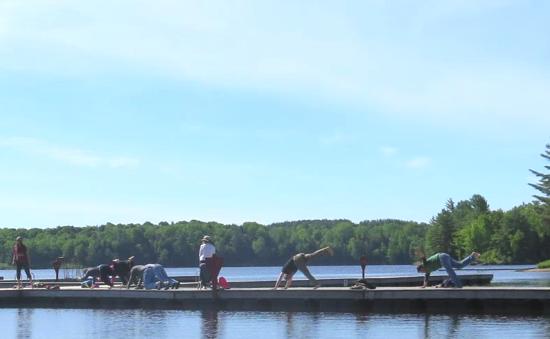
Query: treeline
x=515 y=236
x=177 y=244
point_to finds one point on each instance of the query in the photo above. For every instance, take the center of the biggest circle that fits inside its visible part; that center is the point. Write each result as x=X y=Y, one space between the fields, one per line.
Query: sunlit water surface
x=148 y=323
x=99 y=323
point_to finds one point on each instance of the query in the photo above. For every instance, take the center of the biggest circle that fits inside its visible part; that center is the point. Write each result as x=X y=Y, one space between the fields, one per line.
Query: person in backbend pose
x=438 y=260
x=22 y=260
x=299 y=262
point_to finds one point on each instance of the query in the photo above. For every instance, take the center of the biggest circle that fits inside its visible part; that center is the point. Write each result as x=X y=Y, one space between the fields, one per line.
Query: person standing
x=444 y=260
x=22 y=260
x=299 y=262
x=207 y=251
x=56 y=264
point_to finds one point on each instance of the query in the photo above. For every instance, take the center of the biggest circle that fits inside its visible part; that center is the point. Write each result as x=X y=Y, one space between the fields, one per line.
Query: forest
x=520 y=235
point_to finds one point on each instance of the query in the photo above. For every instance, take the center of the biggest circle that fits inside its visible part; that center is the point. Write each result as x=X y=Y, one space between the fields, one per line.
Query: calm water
x=503 y=274
x=139 y=323
x=85 y=323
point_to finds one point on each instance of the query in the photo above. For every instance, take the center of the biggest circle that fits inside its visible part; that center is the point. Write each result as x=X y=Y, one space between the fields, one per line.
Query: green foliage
x=176 y=244
x=544 y=264
x=543 y=204
x=521 y=235
x=515 y=236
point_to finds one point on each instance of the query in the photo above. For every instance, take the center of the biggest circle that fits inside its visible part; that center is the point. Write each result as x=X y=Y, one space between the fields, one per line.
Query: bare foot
x=475 y=255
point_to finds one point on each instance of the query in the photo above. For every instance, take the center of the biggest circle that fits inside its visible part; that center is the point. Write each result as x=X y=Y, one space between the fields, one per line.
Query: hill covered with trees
x=515 y=236
x=520 y=235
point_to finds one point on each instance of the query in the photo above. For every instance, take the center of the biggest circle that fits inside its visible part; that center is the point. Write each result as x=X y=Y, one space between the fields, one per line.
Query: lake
x=141 y=323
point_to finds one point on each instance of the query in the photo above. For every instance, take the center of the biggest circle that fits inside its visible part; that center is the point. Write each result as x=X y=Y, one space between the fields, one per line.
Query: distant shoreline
x=536 y=270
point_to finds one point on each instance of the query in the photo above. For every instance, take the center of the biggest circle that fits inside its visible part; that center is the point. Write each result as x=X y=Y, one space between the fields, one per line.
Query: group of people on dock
x=154 y=276
x=150 y=276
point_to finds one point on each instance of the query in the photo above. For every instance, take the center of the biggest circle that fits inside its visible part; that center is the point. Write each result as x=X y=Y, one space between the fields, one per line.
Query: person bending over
x=154 y=276
x=122 y=268
x=90 y=272
x=136 y=276
x=106 y=274
x=299 y=262
x=444 y=260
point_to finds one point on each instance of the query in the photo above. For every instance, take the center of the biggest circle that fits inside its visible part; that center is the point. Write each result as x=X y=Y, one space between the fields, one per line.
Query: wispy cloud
x=334 y=139
x=428 y=66
x=418 y=162
x=69 y=155
x=388 y=151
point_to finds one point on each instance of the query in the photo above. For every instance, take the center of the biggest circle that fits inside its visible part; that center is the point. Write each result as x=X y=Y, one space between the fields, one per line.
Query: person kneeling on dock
x=444 y=260
x=298 y=262
x=104 y=272
x=155 y=277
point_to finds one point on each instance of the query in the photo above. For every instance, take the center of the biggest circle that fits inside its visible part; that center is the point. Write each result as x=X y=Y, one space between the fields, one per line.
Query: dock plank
x=385 y=299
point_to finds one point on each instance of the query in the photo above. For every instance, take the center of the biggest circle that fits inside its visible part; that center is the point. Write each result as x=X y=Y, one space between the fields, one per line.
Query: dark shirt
x=106 y=273
x=90 y=272
x=290 y=267
x=20 y=254
x=122 y=269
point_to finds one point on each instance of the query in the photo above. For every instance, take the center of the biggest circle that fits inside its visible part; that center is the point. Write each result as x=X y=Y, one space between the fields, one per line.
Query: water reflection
x=213 y=324
x=426 y=326
x=454 y=325
x=24 y=322
x=209 y=320
x=303 y=325
x=437 y=326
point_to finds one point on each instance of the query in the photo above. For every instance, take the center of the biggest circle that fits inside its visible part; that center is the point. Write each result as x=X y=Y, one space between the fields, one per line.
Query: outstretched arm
x=131 y=279
x=426 y=280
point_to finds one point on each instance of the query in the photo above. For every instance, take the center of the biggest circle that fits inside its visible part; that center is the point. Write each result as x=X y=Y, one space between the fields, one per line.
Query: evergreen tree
x=543 y=186
x=439 y=237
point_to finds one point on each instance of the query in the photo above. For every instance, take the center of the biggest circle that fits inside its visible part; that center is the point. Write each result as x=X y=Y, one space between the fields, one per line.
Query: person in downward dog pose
x=299 y=262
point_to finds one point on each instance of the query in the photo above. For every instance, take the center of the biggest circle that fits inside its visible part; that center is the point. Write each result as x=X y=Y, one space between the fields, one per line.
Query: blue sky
x=267 y=111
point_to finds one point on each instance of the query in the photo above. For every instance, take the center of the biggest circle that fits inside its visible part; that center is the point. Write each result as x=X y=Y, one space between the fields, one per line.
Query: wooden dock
x=379 y=281
x=528 y=300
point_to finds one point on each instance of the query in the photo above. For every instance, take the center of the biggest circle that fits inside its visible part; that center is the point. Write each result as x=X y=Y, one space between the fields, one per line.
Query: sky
x=268 y=111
